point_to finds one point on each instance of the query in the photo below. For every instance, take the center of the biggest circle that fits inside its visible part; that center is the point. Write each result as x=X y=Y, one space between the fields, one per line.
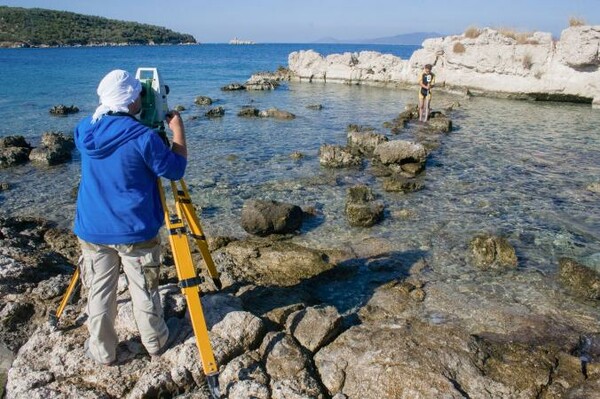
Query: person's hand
x=174 y=121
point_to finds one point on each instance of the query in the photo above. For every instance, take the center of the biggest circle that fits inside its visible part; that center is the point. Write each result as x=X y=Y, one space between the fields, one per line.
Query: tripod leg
x=183 y=197
x=55 y=315
x=189 y=283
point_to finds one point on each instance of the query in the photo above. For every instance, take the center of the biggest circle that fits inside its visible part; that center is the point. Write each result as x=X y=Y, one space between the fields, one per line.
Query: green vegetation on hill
x=39 y=27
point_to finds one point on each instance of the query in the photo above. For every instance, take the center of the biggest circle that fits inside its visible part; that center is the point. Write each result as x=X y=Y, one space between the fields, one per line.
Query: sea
x=519 y=169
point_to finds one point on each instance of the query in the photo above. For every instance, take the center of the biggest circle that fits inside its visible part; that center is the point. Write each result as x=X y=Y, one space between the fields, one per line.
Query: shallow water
x=515 y=168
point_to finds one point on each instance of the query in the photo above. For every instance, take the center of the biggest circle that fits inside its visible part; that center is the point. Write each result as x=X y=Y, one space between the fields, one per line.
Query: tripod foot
x=213 y=385
x=217 y=283
x=53 y=320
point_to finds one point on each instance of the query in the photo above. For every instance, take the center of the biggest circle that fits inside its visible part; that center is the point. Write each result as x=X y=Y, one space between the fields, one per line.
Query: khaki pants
x=100 y=269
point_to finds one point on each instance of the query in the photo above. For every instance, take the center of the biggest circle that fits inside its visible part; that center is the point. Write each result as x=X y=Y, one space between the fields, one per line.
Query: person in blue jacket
x=119 y=212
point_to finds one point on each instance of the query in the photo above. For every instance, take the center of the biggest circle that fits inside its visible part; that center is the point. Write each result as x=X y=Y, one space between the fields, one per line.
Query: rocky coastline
x=487 y=62
x=377 y=320
x=365 y=322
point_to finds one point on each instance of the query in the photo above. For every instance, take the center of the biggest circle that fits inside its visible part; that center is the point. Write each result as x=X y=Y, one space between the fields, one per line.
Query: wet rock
x=398 y=124
x=580 y=279
x=315 y=107
x=179 y=108
x=248 y=112
x=277 y=114
x=594 y=187
x=412 y=168
x=203 y=100
x=14 y=141
x=400 y=152
x=334 y=156
x=55 y=149
x=492 y=252
x=399 y=184
x=261 y=262
x=314 y=327
x=365 y=142
x=362 y=210
x=215 y=112
x=4 y=186
x=64 y=242
x=14 y=150
x=439 y=123
x=262 y=218
x=290 y=368
x=258 y=82
x=359 y=128
x=233 y=87
x=62 y=110
x=296 y=155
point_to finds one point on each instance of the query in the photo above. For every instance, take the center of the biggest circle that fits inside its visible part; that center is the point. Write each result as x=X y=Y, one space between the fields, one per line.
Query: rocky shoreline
x=486 y=62
x=381 y=320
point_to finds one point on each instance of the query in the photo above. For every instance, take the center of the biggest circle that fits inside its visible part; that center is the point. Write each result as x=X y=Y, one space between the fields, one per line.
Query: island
x=36 y=27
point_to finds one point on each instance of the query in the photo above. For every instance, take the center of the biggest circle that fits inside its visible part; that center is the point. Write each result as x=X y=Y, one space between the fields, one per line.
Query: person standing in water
x=426 y=82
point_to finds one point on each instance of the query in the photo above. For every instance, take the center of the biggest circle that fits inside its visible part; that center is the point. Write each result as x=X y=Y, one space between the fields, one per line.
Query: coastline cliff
x=487 y=63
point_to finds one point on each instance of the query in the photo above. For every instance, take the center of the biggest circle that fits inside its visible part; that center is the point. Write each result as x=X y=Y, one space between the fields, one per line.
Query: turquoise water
x=515 y=168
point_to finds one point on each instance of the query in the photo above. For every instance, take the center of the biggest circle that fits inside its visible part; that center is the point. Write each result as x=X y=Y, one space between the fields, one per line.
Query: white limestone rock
x=494 y=63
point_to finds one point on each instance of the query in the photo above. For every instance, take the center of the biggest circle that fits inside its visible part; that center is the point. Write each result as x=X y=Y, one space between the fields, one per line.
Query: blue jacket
x=118 y=200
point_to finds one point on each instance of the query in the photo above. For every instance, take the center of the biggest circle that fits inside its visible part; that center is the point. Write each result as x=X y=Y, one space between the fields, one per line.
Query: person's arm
x=176 y=125
x=421 y=84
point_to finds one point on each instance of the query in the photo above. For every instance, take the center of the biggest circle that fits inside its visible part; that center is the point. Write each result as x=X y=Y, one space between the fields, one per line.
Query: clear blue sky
x=309 y=20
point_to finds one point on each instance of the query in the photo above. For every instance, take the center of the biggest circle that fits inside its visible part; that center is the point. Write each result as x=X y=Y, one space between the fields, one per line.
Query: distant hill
x=24 y=27
x=415 y=38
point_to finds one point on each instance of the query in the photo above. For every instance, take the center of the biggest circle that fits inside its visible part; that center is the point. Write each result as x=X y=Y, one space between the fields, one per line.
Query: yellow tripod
x=189 y=281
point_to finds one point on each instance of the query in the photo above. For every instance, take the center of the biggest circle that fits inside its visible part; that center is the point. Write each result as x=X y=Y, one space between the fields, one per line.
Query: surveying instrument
x=153 y=114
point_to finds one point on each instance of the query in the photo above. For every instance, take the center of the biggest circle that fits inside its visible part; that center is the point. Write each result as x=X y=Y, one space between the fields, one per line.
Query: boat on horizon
x=235 y=40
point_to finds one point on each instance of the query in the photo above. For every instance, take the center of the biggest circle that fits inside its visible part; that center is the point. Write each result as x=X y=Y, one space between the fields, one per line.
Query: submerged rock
x=277 y=114
x=203 y=100
x=249 y=112
x=400 y=184
x=233 y=87
x=215 y=112
x=594 y=187
x=362 y=210
x=334 y=156
x=260 y=217
x=580 y=279
x=62 y=110
x=492 y=252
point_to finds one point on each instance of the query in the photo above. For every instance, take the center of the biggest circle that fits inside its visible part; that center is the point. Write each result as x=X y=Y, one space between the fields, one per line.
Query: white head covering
x=117 y=90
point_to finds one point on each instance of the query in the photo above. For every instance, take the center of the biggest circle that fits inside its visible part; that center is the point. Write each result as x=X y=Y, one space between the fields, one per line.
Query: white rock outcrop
x=492 y=63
